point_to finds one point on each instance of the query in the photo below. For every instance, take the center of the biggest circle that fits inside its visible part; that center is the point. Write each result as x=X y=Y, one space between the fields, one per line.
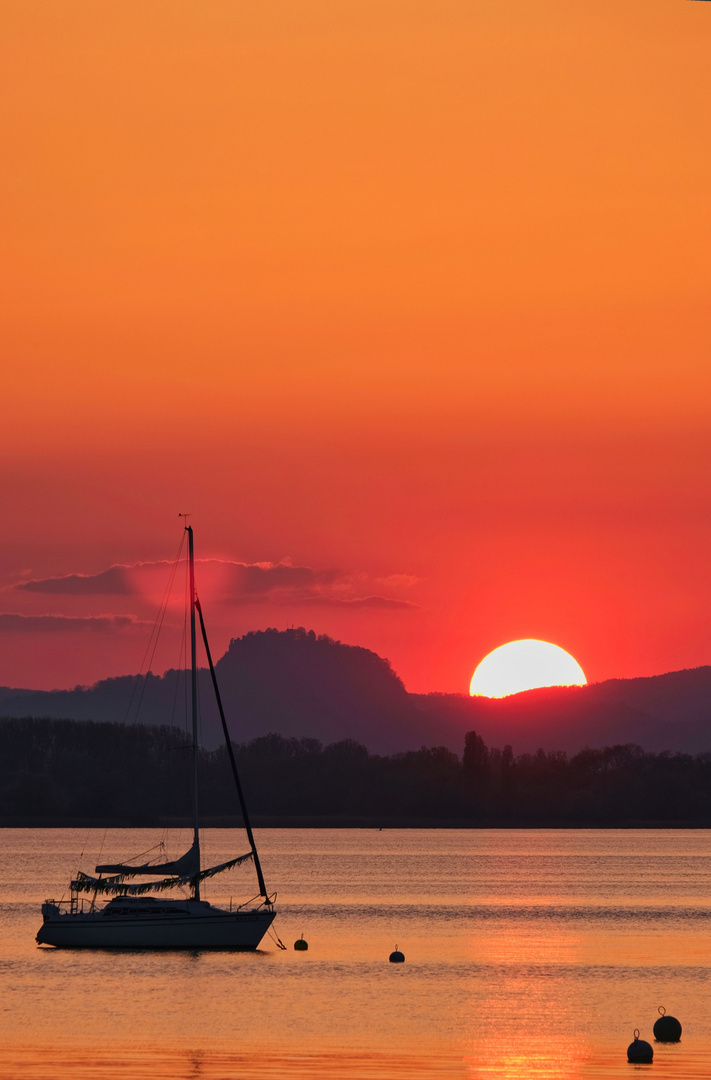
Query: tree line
x=53 y=771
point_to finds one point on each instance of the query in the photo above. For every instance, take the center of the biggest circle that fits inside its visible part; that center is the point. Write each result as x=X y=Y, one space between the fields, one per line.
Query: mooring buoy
x=300 y=945
x=639 y=1052
x=666 y=1028
x=397 y=957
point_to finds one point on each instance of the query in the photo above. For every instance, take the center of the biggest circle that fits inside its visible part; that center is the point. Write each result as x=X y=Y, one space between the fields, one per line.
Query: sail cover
x=87 y=883
x=186 y=866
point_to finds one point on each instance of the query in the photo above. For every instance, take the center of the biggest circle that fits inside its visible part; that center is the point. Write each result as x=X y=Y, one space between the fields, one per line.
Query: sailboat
x=134 y=919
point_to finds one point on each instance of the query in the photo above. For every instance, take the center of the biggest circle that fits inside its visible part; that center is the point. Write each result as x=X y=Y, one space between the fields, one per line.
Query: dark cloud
x=385 y=602
x=248 y=580
x=14 y=624
x=232 y=582
x=112 y=582
x=399 y=581
x=236 y=581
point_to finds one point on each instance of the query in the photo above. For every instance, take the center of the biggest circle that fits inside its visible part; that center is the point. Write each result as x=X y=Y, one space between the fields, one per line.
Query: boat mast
x=233 y=764
x=193 y=672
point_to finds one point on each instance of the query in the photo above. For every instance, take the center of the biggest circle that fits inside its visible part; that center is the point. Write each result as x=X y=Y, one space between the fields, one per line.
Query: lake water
x=528 y=953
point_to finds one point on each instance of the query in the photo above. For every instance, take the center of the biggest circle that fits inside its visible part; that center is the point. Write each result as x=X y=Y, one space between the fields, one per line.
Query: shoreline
x=334 y=822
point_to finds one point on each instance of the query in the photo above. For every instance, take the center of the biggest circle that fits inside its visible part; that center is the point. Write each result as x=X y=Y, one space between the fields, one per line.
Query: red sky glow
x=406 y=304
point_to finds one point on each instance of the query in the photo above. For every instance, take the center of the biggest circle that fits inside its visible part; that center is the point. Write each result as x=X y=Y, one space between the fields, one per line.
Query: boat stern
x=50 y=912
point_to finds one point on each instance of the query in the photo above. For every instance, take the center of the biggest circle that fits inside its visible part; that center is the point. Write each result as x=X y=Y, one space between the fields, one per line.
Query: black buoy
x=667 y=1028
x=639 y=1052
x=301 y=945
x=397 y=957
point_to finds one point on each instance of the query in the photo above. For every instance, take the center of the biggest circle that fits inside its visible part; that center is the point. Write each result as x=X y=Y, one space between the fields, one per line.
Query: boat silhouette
x=138 y=914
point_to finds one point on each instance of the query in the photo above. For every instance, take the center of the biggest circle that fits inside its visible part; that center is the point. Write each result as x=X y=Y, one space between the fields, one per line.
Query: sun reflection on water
x=532 y=953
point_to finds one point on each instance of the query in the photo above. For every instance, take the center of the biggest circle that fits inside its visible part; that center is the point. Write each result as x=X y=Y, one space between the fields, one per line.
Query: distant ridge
x=658 y=712
x=298 y=683
x=293 y=682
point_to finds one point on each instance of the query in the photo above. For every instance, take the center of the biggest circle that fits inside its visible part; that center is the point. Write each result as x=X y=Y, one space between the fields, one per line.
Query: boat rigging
x=133 y=918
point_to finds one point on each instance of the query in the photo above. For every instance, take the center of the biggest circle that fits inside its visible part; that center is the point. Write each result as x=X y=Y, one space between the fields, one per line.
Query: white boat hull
x=190 y=925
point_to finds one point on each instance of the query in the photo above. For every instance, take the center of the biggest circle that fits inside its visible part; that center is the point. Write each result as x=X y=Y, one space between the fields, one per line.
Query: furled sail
x=87 y=883
x=186 y=866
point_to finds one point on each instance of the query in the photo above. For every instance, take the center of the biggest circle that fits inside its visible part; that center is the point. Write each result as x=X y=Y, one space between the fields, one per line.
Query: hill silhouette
x=660 y=712
x=293 y=682
x=302 y=685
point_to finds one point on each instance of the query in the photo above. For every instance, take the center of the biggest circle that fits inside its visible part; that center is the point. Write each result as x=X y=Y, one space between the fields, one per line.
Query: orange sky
x=414 y=295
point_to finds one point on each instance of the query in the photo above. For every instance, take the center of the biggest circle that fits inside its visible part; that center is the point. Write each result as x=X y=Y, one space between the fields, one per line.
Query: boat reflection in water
x=530 y=953
x=133 y=920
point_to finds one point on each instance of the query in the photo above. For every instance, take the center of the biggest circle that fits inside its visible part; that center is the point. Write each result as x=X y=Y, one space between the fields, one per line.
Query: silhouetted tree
x=55 y=770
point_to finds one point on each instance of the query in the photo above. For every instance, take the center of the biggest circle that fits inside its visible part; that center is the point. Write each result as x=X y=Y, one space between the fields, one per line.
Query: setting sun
x=525 y=665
